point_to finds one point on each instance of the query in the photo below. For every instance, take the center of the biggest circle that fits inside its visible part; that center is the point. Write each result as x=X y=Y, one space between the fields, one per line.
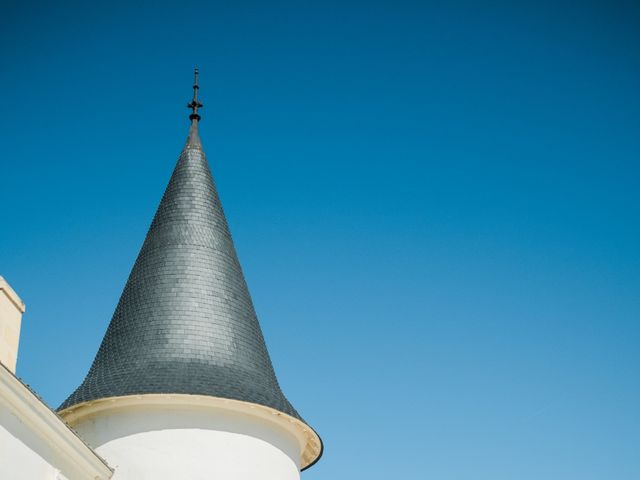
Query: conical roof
x=185 y=322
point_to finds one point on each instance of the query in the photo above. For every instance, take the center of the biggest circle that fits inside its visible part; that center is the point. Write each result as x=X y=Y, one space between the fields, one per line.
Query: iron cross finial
x=195 y=104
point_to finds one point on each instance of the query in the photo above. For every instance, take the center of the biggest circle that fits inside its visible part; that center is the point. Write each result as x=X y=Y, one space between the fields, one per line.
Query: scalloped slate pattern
x=185 y=322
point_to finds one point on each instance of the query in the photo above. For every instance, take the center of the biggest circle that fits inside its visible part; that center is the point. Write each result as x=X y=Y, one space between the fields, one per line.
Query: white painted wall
x=18 y=460
x=35 y=444
x=197 y=442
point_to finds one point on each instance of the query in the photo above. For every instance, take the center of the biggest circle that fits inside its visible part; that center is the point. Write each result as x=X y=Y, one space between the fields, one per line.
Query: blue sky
x=435 y=205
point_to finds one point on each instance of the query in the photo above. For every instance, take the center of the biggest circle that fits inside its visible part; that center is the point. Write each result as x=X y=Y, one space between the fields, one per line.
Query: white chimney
x=11 y=310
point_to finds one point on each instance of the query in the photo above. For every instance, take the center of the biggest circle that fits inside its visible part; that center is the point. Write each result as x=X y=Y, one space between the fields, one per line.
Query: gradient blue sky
x=435 y=204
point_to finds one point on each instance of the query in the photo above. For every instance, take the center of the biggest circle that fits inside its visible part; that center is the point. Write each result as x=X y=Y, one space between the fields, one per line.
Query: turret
x=182 y=385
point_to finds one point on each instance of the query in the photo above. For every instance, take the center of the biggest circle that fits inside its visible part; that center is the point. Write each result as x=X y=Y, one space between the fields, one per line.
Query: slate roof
x=185 y=322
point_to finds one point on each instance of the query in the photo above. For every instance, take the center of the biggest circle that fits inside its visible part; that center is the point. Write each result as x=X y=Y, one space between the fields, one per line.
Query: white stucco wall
x=18 y=459
x=35 y=444
x=163 y=441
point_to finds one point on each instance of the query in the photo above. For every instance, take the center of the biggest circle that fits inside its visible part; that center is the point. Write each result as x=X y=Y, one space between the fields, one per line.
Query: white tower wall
x=164 y=437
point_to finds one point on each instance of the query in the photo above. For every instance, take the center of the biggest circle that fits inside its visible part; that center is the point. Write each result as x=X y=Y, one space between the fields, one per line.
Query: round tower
x=182 y=385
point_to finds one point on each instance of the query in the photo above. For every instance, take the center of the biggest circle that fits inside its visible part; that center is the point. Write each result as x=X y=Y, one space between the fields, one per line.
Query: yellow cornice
x=308 y=440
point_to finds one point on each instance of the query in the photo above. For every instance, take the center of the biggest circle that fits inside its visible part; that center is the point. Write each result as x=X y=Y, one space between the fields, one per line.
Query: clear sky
x=436 y=205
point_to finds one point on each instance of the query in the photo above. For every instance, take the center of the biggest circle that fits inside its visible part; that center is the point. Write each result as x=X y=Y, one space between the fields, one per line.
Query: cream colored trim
x=11 y=295
x=46 y=424
x=308 y=440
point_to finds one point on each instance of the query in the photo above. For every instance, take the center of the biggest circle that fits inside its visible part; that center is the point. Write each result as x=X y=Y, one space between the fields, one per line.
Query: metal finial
x=195 y=104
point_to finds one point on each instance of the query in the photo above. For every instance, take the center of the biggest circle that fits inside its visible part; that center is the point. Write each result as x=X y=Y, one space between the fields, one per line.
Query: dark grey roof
x=185 y=322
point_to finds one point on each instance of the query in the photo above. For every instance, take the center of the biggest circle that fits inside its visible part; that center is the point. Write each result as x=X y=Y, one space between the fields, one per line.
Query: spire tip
x=195 y=104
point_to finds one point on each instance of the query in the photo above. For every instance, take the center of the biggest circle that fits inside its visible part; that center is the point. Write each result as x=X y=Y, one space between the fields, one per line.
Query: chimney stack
x=11 y=310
